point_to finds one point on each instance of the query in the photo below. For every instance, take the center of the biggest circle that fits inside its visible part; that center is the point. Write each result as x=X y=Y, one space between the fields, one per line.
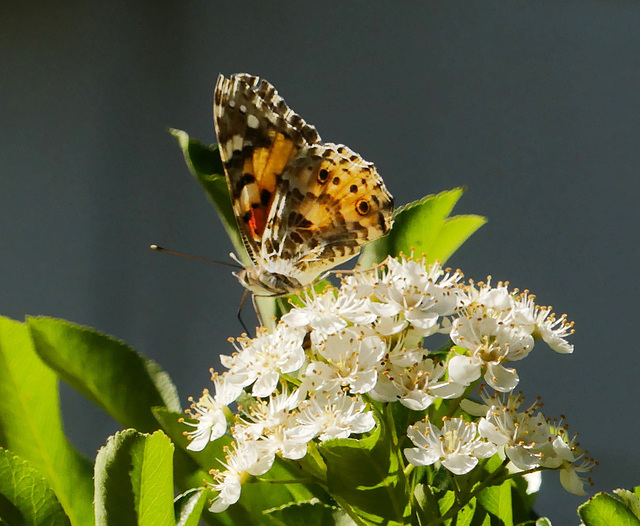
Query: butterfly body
x=302 y=206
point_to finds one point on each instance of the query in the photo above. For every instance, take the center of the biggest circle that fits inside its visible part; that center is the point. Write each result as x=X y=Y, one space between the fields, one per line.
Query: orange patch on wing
x=257 y=222
x=266 y=165
x=269 y=163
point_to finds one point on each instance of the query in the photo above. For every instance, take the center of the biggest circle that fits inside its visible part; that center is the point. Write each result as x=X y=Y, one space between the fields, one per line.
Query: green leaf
x=446 y=500
x=605 y=510
x=366 y=476
x=134 y=480
x=543 y=521
x=466 y=515
x=190 y=505
x=307 y=513
x=497 y=501
x=523 y=501
x=424 y=227
x=105 y=370
x=630 y=499
x=31 y=425
x=191 y=467
x=424 y=503
x=25 y=496
x=267 y=491
x=258 y=495
x=205 y=164
x=455 y=231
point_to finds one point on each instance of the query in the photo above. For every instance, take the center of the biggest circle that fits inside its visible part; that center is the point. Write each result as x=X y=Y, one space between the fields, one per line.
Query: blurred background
x=534 y=106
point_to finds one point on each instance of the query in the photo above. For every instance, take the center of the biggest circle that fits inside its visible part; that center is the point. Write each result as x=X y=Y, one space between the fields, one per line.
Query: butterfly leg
x=244 y=297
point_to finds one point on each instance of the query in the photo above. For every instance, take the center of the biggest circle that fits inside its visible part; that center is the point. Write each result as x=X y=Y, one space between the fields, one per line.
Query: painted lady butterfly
x=302 y=206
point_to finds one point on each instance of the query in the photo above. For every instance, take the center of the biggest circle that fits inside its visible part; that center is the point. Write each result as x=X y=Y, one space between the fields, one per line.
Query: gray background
x=533 y=105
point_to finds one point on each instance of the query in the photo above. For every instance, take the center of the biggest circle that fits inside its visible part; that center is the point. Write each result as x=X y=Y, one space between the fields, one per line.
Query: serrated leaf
x=190 y=505
x=27 y=498
x=605 y=510
x=105 y=370
x=424 y=227
x=630 y=499
x=31 y=424
x=134 y=480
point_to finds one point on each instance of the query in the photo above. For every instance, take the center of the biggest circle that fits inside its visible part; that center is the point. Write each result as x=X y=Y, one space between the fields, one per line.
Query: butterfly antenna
x=225 y=263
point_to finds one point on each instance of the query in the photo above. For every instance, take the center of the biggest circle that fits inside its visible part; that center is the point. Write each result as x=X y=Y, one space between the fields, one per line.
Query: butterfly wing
x=328 y=203
x=258 y=136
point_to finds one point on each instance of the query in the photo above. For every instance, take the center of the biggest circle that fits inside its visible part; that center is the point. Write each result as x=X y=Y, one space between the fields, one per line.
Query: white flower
x=496 y=299
x=415 y=387
x=280 y=439
x=261 y=360
x=210 y=412
x=351 y=357
x=332 y=415
x=571 y=479
x=407 y=349
x=360 y=282
x=270 y=413
x=328 y=313
x=490 y=342
x=285 y=441
x=240 y=463
x=456 y=446
x=564 y=454
x=521 y=434
x=554 y=331
x=410 y=293
x=544 y=324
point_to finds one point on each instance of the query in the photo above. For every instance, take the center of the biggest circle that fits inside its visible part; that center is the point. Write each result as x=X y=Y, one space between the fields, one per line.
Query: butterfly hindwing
x=328 y=204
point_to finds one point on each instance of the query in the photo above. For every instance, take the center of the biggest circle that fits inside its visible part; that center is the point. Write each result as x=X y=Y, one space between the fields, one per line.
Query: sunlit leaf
x=134 y=480
x=105 y=370
x=25 y=496
x=605 y=510
x=31 y=424
x=424 y=227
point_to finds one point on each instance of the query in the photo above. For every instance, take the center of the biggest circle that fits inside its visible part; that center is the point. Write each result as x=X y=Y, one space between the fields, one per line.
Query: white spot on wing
x=252 y=121
x=228 y=148
x=237 y=142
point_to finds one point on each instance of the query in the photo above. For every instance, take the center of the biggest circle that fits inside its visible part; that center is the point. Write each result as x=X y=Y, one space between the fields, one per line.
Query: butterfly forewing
x=258 y=135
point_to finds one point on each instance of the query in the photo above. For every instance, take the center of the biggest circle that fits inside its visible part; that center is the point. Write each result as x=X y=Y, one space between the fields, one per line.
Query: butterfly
x=302 y=206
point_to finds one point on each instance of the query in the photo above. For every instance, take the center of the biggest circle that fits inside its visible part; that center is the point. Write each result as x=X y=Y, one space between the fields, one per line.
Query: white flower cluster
x=316 y=374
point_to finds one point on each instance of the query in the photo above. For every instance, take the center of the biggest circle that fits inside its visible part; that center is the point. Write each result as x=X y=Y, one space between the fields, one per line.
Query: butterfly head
x=264 y=283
